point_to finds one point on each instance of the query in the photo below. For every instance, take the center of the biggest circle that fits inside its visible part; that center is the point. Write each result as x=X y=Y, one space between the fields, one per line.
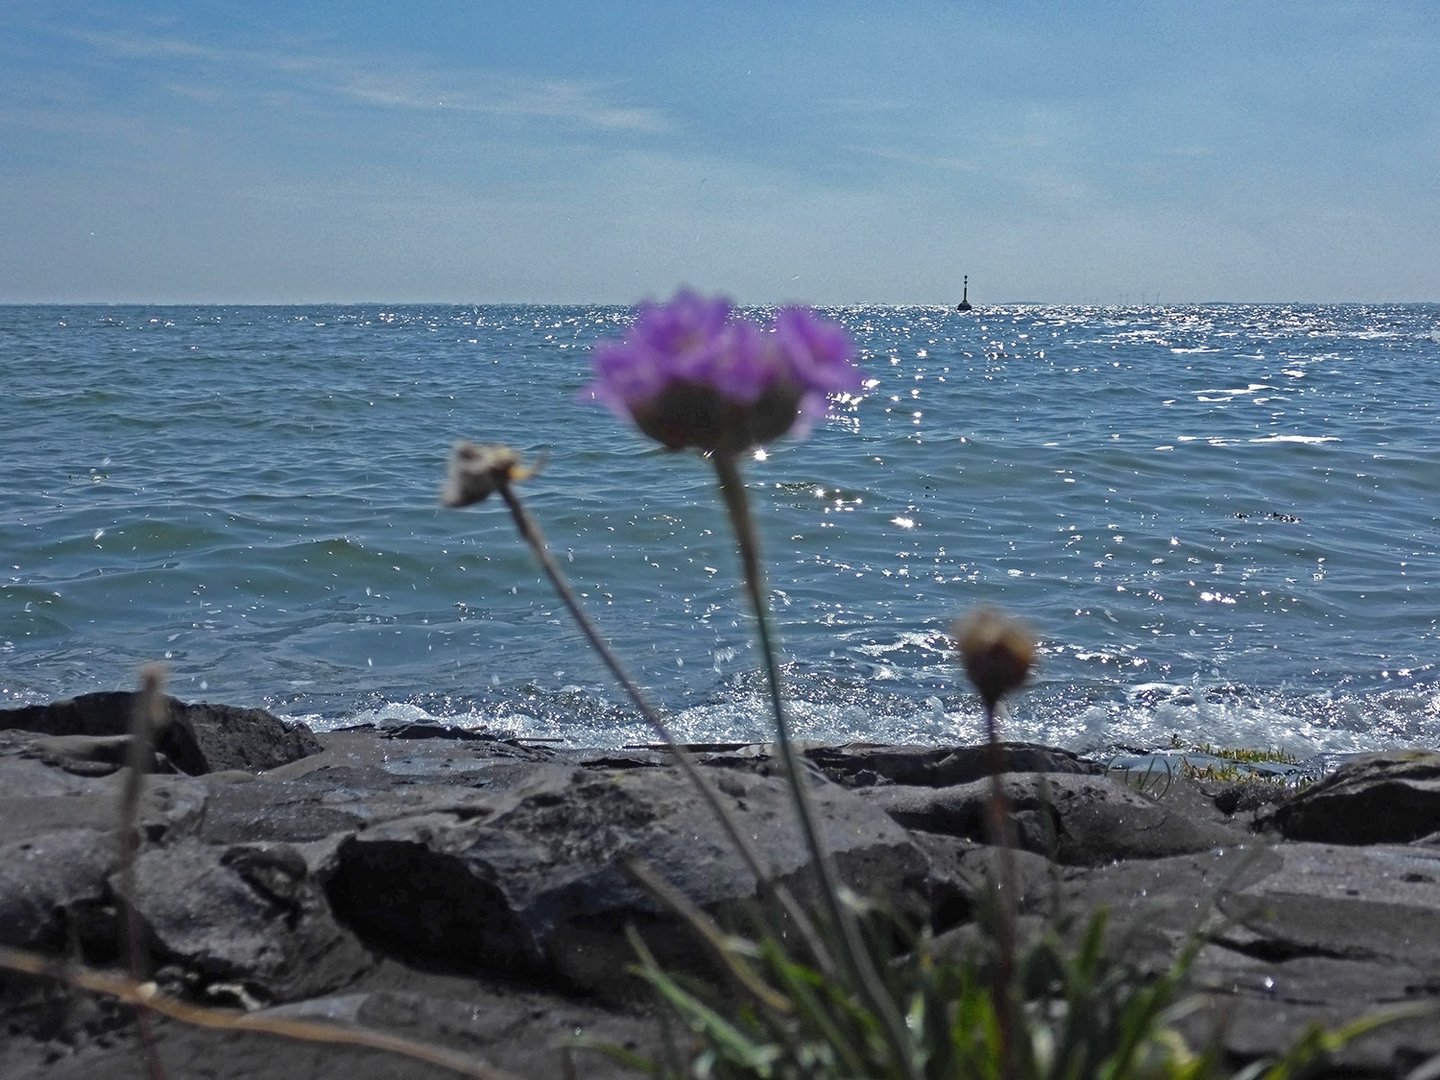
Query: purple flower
x=690 y=374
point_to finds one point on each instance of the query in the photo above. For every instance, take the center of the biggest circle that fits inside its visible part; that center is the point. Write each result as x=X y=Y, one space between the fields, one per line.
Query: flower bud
x=475 y=471
x=997 y=652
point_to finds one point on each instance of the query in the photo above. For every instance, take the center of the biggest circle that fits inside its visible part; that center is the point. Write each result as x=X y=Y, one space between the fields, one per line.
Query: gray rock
x=59 y=842
x=49 y=882
x=245 y=923
x=474 y=893
x=946 y=766
x=535 y=878
x=365 y=763
x=197 y=738
x=963 y=874
x=1072 y=818
x=529 y=1032
x=1391 y=798
x=1290 y=935
x=357 y=781
x=92 y=755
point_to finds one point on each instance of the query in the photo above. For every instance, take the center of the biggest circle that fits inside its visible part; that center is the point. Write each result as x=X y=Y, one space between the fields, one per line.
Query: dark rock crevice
x=403 y=900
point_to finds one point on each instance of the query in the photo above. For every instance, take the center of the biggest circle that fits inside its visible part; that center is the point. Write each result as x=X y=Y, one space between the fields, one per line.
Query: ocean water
x=1221 y=520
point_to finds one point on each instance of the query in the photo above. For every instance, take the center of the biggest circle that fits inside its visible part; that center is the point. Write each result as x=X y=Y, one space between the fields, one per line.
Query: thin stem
x=530 y=532
x=145 y=719
x=1002 y=834
x=854 y=952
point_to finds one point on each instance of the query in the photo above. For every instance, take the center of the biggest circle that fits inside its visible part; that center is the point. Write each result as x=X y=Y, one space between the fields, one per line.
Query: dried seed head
x=152 y=678
x=475 y=471
x=997 y=652
x=150 y=709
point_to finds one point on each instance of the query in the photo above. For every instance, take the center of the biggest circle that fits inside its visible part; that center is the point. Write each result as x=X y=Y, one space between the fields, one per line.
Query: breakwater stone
x=475 y=892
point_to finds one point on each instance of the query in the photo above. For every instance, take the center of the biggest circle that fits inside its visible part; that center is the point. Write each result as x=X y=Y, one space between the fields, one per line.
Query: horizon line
x=742 y=304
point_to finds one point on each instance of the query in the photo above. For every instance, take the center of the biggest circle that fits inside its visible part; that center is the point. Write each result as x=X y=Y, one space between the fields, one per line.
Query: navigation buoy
x=965 y=304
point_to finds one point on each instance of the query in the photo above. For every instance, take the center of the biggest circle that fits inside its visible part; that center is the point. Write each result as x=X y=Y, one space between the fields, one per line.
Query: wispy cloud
x=208 y=73
x=943 y=162
x=129 y=44
x=508 y=96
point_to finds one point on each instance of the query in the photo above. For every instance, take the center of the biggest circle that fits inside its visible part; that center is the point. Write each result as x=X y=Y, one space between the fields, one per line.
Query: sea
x=1221 y=521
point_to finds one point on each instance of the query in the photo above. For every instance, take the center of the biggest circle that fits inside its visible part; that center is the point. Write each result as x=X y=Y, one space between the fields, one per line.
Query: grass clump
x=1237 y=765
x=1056 y=1013
x=1241 y=755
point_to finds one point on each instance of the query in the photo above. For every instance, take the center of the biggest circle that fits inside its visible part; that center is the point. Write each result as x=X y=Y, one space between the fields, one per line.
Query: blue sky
x=821 y=152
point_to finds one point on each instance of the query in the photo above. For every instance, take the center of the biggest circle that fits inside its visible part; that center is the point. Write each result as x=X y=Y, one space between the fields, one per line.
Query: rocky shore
x=470 y=891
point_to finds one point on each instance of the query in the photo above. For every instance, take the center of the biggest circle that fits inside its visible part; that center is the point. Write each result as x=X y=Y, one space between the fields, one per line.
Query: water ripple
x=1220 y=518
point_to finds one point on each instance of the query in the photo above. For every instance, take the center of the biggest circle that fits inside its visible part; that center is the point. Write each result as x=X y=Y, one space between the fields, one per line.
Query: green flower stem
x=530 y=532
x=1002 y=834
x=853 y=952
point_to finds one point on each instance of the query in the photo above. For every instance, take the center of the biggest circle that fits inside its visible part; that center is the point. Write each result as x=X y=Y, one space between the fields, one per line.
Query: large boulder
x=535 y=878
x=1390 y=798
x=196 y=738
x=357 y=780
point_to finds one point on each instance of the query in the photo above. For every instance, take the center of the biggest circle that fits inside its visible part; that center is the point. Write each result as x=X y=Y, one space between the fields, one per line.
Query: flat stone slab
x=1293 y=934
x=1071 y=817
x=938 y=766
